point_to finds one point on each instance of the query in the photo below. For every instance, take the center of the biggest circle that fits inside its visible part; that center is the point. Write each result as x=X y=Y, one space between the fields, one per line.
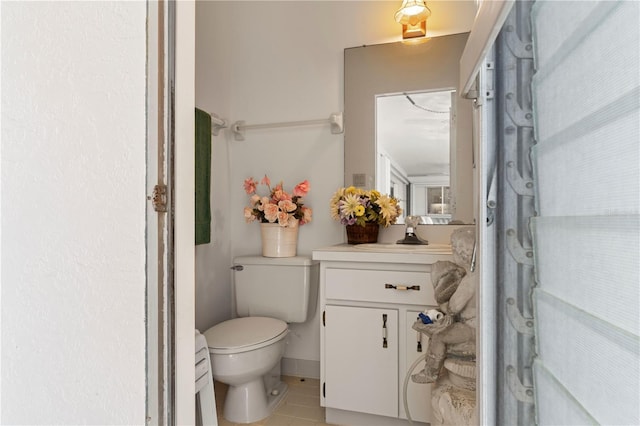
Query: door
x=361 y=359
x=418 y=394
x=586 y=233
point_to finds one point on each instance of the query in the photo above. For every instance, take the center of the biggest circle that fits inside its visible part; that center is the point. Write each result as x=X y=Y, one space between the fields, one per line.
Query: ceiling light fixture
x=413 y=16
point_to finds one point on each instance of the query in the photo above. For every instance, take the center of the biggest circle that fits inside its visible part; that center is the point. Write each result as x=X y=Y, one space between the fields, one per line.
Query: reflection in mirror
x=413 y=132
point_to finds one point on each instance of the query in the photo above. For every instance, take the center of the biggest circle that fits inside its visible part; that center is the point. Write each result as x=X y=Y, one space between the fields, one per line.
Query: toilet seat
x=244 y=334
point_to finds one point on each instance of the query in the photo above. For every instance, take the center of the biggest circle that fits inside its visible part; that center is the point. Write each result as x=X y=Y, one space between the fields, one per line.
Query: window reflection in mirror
x=413 y=139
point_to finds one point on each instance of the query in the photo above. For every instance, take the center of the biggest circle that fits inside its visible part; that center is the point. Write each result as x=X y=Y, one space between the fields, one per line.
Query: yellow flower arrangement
x=356 y=206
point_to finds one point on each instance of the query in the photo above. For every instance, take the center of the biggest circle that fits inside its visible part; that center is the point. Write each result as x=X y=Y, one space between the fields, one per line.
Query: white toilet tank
x=285 y=288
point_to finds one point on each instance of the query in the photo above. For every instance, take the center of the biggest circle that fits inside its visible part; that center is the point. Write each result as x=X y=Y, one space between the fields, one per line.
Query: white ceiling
x=415 y=139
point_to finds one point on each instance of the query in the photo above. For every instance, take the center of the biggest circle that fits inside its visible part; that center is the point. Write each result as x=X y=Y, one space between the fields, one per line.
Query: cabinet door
x=361 y=372
x=418 y=394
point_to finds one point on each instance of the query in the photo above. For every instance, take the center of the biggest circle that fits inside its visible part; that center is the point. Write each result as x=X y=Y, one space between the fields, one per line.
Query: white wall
x=213 y=92
x=265 y=62
x=73 y=217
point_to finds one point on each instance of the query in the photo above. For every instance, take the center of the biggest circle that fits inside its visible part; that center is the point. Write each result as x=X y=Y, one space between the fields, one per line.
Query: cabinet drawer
x=373 y=286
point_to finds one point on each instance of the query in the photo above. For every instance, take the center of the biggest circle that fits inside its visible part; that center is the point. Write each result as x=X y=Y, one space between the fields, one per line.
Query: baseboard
x=301 y=368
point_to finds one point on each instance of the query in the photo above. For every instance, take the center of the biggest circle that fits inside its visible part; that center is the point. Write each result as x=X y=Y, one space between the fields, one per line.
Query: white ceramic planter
x=278 y=241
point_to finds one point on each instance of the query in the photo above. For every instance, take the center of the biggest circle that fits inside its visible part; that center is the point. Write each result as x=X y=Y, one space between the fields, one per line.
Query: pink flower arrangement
x=280 y=206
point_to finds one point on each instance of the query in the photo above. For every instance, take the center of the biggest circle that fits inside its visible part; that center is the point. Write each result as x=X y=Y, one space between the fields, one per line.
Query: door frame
x=184 y=238
x=171 y=312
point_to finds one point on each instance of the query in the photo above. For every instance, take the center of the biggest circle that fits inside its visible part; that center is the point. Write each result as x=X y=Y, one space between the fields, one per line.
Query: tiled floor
x=301 y=406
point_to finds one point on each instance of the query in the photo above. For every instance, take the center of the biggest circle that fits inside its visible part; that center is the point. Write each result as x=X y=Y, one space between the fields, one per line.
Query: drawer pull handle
x=402 y=287
x=384 y=330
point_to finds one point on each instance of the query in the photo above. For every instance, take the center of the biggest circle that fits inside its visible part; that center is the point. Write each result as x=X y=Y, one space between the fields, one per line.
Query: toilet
x=246 y=351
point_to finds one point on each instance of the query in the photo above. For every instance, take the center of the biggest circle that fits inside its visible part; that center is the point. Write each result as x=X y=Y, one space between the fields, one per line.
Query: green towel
x=203 y=177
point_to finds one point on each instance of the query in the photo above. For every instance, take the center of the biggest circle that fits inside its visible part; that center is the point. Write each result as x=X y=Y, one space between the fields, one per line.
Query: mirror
x=393 y=69
x=413 y=132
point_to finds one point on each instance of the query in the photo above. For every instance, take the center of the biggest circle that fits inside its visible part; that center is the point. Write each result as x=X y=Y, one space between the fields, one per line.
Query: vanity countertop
x=384 y=253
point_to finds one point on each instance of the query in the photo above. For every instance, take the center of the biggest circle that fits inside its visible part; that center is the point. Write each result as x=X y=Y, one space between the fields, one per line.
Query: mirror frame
x=424 y=65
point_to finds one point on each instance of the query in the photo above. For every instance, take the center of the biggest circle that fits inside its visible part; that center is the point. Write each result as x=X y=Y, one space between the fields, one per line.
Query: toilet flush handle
x=237 y=267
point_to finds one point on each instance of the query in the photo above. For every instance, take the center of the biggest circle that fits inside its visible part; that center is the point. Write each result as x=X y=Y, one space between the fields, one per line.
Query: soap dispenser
x=410 y=236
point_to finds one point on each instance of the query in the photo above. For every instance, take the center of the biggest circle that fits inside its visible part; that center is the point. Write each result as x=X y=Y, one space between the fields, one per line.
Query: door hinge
x=324 y=315
x=159 y=198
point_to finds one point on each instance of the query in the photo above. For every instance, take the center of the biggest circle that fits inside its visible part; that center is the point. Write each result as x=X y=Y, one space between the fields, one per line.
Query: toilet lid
x=244 y=332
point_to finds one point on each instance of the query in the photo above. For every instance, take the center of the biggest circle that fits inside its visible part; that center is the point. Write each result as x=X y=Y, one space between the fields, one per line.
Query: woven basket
x=357 y=234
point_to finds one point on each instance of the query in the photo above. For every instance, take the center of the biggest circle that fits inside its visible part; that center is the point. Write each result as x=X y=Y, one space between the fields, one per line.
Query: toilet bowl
x=244 y=353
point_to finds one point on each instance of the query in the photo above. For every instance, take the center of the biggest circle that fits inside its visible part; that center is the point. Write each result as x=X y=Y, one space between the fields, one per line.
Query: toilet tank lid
x=242 y=332
x=279 y=261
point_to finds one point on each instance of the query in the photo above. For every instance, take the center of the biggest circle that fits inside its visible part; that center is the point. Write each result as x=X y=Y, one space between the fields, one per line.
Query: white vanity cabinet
x=369 y=301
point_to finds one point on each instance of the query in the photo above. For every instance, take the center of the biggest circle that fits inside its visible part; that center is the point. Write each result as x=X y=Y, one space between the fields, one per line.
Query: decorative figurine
x=451 y=352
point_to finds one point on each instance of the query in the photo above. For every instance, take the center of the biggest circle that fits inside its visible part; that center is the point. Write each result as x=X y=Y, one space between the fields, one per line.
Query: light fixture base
x=413 y=31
